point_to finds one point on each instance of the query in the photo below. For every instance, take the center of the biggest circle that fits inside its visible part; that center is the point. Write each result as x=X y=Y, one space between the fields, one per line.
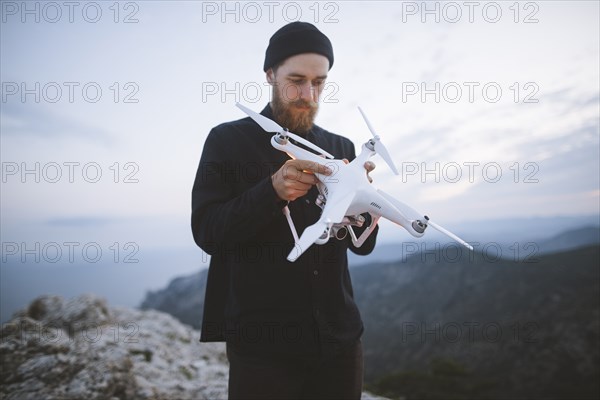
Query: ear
x=270 y=76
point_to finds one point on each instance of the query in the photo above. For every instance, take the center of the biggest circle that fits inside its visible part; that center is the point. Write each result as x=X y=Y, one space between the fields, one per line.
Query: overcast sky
x=501 y=99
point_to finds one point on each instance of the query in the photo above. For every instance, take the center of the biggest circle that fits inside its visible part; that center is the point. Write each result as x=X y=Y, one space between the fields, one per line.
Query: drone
x=345 y=194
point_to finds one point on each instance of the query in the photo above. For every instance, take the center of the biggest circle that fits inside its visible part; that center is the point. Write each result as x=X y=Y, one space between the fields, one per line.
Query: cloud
x=18 y=119
x=79 y=222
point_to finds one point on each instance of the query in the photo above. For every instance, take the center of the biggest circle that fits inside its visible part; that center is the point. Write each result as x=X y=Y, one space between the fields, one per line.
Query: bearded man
x=292 y=329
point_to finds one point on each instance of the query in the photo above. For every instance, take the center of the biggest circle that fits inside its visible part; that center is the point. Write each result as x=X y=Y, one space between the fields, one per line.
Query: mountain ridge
x=486 y=318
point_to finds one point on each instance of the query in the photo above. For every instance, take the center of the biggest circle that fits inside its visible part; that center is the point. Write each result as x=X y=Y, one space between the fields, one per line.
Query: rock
x=81 y=348
x=74 y=315
x=84 y=349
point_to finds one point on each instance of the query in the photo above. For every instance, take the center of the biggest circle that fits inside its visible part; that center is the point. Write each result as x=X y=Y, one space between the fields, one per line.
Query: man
x=292 y=329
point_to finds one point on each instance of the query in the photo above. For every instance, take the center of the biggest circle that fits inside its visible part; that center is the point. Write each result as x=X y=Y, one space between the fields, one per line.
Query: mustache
x=305 y=103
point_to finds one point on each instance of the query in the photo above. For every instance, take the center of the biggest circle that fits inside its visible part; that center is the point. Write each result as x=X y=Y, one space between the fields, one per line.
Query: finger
x=369 y=166
x=304 y=165
x=294 y=193
x=299 y=180
x=307 y=178
x=293 y=174
x=345 y=160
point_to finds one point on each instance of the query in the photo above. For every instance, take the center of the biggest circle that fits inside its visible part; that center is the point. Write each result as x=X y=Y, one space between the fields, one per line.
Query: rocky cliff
x=191 y=288
x=83 y=349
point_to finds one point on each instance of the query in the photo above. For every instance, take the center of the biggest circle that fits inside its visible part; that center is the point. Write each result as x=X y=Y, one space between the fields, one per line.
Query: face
x=297 y=86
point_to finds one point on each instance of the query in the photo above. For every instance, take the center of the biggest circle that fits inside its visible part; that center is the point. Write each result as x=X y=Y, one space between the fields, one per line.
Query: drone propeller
x=264 y=122
x=448 y=233
x=272 y=126
x=379 y=146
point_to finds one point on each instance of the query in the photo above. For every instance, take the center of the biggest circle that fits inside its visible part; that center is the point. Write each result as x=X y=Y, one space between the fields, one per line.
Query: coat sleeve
x=219 y=215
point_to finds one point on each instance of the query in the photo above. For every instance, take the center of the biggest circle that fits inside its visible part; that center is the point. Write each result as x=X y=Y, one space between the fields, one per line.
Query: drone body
x=346 y=193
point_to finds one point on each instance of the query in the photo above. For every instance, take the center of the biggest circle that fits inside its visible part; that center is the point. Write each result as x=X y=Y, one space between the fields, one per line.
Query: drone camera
x=339 y=233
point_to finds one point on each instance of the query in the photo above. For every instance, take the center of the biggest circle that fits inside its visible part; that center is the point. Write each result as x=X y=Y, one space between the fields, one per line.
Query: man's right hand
x=295 y=178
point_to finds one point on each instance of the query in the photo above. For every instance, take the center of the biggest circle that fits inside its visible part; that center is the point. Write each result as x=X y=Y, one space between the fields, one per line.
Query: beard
x=297 y=116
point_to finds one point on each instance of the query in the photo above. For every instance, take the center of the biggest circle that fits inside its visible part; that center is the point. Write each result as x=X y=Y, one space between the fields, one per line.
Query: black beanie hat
x=297 y=38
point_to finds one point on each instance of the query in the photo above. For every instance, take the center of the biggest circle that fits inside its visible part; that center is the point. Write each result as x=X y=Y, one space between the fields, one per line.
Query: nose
x=308 y=92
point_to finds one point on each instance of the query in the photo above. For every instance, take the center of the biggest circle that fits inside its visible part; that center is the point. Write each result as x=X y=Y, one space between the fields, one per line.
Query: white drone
x=346 y=193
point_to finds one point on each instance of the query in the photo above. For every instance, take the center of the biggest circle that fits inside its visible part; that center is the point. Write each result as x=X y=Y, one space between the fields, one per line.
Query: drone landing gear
x=366 y=233
x=339 y=231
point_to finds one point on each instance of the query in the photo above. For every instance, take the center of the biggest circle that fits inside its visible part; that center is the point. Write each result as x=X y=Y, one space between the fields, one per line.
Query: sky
x=490 y=110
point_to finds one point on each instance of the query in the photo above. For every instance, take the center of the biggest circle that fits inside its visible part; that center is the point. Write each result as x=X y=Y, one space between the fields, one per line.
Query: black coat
x=255 y=298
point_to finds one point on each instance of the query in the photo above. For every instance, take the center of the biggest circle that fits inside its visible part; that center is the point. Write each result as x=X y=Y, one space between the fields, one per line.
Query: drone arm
x=298 y=153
